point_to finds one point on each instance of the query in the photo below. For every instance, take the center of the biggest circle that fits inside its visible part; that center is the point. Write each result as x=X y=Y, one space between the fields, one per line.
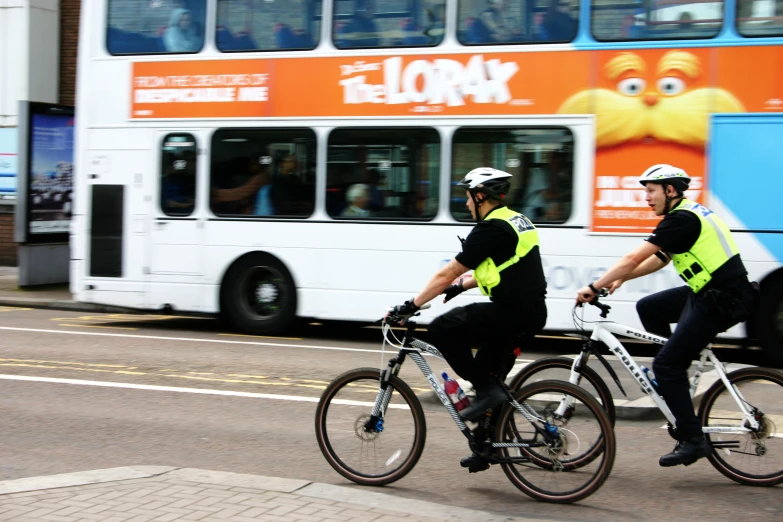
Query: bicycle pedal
x=480 y=467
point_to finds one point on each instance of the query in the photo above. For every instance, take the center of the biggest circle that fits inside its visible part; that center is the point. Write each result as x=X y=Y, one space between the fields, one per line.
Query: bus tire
x=770 y=318
x=258 y=294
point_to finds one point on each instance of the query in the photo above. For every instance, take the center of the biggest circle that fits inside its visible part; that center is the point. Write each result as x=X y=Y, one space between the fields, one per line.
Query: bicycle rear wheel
x=544 y=470
x=751 y=458
x=559 y=368
x=372 y=452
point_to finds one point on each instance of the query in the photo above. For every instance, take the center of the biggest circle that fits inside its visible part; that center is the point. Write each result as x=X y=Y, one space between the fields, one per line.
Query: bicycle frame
x=415 y=349
x=605 y=332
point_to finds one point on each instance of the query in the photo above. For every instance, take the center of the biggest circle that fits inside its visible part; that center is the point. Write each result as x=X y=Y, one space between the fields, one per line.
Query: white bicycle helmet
x=492 y=182
x=666 y=175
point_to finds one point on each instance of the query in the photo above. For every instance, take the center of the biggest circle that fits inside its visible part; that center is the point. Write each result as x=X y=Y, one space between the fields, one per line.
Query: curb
x=64 y=305
x=304 y=488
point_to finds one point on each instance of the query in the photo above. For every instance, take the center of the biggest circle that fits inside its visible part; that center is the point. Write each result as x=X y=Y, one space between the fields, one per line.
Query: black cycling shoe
x=687 y=452
x=474 y=463
x=487 y=397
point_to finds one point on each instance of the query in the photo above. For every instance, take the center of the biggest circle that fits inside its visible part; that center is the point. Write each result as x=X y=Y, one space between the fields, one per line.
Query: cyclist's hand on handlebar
x=401 y=313
x=584 y=295
x=453 y=291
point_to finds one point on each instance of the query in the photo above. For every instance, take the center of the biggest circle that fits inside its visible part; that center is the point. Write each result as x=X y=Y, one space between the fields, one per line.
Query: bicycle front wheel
x=753 y=458
x=369 y=451
x=543 y=466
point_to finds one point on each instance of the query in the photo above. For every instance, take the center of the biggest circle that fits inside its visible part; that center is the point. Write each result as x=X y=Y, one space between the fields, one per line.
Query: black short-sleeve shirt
x=522 y=282
x=677 y=233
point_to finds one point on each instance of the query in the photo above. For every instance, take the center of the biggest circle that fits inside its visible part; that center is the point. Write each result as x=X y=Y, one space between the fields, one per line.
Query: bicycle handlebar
x=398 y=320
x=595 y=302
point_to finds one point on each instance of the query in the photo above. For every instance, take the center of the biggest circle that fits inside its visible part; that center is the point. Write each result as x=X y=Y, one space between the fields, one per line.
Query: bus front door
x=177 y=223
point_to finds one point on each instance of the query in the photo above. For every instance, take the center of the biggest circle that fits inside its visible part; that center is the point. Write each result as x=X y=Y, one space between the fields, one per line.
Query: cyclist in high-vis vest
x=503 y=252
x=716 y=296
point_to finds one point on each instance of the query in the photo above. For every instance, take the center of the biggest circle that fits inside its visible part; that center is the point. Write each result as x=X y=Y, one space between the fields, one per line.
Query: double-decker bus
x=274 y=159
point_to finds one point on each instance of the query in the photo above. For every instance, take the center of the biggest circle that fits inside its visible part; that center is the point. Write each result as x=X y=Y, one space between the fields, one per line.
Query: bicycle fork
x=375 y=423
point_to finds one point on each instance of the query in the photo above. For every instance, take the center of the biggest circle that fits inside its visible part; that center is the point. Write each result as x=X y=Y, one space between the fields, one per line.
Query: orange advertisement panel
x=200 y=89
x=651 y=105
x=754 y=75
x=654 y=106
x=474 y=84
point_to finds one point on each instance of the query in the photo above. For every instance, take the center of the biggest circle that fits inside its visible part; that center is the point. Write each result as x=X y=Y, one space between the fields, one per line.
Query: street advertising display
x=46 y=157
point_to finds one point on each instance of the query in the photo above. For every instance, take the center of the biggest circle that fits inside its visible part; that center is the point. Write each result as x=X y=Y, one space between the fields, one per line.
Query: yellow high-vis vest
x=487 y=275
x=713 y=248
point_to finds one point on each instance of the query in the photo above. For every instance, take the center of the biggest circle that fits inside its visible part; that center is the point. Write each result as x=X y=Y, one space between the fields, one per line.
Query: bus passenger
x=493 y=20
x=254 y=196
x=718 y=295
x=181 y=36
x=558 y=24
x=358 y=197
x=502 y=250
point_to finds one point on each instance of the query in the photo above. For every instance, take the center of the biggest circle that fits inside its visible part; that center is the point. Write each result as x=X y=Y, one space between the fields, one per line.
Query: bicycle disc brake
x=360 y=428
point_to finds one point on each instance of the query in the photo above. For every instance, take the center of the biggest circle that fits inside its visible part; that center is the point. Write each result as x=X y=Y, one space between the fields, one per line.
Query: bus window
x=178 y=175
x=487 y=22
x=383 y=173
x=263 y=172
x=760 y=17
x=541 y=161
x=391 y=23
x=661 y=20
x=155 y=26
x=249 y=25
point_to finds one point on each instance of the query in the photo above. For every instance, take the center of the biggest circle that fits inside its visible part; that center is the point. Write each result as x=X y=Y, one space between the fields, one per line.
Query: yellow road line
x=13 y=309
x=71 y=362
x=94 y=326
x=126 y=372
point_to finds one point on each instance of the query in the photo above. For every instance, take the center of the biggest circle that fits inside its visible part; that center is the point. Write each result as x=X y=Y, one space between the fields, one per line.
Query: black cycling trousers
x=489 y=327
x=698 y=322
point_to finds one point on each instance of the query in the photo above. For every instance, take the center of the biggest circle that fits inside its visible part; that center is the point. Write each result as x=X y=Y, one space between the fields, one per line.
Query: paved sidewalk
x=167 y=494
x=54 y=297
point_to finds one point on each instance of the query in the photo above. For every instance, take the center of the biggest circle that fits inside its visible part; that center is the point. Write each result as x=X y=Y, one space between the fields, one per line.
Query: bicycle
x=528 y=442
x=734 y=423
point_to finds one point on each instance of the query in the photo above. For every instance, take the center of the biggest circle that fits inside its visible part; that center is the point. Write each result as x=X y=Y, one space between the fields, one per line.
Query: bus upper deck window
x=760 y=17
x=666 y=20
x=248 y=25
x=155 y=26
x=529 y=21
x=391 y=23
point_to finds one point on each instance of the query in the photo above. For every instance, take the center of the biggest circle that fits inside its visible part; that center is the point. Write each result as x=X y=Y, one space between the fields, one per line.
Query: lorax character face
x=657 y=104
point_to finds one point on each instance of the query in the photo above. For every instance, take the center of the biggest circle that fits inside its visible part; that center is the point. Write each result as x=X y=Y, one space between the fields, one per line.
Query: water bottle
x=455 y=393
x=650 y=377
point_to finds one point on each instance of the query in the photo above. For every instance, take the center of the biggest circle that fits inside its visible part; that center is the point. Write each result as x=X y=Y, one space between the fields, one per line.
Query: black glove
x=453 y=291
x=406 y=310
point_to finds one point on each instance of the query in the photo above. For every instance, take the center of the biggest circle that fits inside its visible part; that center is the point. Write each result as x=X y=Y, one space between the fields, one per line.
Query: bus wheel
x=770 y=318
x=258 y=295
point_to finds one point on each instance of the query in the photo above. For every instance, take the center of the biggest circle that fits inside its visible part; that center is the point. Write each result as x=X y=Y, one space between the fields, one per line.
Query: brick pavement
x=167 y=494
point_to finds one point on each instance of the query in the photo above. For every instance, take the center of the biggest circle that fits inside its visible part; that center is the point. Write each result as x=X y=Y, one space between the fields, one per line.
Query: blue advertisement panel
x=51 y=173
x=8 y=162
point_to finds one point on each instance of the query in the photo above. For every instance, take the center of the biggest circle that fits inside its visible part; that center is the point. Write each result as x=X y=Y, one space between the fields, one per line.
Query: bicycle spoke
x=361 y=448
x=556 y=469
x=750 y=456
